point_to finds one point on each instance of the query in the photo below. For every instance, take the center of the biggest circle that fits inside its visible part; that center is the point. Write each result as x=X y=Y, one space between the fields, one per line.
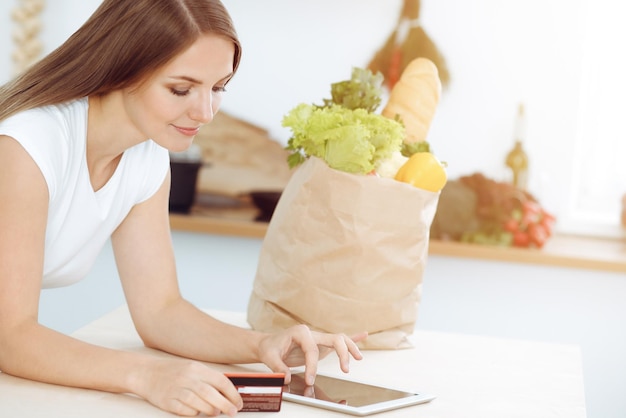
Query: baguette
x=414 y=99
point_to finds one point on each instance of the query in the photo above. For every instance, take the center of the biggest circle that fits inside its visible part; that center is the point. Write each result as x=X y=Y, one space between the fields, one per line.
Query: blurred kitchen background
x=561 y=58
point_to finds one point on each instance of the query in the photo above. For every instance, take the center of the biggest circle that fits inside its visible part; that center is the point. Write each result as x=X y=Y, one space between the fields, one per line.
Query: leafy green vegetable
x=362 y=91
x=409 y=149
x=345 y=132
x=348 y=140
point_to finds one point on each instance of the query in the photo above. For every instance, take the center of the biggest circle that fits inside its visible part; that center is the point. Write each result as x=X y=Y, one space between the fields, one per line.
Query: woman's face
x=172 y=105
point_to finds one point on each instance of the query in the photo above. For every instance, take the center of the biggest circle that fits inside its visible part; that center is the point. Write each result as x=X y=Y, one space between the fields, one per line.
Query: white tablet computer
x=349 y=397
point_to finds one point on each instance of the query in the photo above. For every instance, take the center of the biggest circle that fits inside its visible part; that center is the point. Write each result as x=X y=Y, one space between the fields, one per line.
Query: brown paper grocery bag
x=344 y=253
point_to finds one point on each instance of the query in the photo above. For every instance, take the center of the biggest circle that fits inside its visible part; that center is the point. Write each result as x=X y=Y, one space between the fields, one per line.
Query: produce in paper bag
x=344 y=254
x=346 y=247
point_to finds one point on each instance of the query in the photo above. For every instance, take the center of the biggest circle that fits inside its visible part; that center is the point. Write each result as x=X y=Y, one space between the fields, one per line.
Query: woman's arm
x=32 y=351
x=164 y=320
x=28 y=349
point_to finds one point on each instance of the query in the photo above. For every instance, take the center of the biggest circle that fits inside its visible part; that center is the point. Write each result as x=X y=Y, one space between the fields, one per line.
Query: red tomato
x=548 y=223
x=531 y=207
x=521 y=239
x=538 y=234
x=531 y=212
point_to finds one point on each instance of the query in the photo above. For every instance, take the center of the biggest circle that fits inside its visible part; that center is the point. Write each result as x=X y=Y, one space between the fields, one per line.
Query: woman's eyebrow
x=195 y=81
x=187 y=78
x=228 y=77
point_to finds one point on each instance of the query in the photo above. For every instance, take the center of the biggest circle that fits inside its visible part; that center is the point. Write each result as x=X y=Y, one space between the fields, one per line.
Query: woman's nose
x=202 y=110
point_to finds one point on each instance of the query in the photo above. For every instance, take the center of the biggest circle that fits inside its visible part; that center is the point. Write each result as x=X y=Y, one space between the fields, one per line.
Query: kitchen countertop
x=472 y=376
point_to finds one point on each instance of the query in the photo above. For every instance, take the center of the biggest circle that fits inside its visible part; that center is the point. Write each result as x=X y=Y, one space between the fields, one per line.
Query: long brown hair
x=121 y=44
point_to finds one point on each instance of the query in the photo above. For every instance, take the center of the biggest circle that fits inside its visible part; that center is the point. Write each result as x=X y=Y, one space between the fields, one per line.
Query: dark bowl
x=265 y=201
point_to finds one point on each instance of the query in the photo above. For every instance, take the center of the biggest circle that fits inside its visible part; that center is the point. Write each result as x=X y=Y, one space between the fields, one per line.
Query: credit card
x=260 y=392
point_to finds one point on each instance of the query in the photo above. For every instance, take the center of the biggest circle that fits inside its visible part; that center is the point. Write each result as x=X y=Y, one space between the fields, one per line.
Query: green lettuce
x=351 y=140
x=362 y=91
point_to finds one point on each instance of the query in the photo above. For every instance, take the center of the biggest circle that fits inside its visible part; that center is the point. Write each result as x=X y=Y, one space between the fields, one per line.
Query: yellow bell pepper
x=423 y=170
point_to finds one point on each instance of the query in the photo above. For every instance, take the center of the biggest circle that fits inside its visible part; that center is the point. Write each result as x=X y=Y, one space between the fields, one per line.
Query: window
x=599 y=164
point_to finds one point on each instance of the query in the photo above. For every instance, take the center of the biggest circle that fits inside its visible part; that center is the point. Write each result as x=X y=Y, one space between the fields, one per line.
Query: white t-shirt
x=80 y=221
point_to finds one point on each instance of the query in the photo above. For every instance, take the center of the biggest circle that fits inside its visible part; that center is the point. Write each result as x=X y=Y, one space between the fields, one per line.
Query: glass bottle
x=516 y=159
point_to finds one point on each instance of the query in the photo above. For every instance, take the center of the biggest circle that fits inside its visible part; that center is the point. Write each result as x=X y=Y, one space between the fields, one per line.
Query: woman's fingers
x=215 y=397
x=299 y=346
x=189 y=388
x=359 y=337
x=344 y=346
x=293 y=347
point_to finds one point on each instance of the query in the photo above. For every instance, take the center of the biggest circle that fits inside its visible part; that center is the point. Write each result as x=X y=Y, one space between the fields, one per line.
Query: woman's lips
x=187 y=131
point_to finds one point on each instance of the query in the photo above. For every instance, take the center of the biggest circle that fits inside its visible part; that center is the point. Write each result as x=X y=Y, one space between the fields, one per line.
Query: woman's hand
x=298 y=345
x=186 y=388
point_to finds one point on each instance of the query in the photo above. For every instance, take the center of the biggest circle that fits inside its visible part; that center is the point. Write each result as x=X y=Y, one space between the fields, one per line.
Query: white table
x=472 y=376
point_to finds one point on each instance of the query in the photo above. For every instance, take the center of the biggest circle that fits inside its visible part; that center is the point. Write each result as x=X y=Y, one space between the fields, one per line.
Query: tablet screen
x=343 y=392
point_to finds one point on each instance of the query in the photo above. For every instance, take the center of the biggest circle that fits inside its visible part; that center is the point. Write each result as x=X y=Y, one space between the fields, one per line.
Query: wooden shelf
x=559 y=251
x=220 y=226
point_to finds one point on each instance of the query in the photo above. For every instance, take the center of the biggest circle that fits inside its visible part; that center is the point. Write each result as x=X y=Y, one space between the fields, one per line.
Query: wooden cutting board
x=240 y=157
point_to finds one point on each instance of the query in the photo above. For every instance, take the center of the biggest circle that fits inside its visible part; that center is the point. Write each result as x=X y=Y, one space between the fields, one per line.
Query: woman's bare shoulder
x=18 y=168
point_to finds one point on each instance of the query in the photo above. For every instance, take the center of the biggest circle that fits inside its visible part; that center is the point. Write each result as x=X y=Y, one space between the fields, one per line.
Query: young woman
x=84 y=141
